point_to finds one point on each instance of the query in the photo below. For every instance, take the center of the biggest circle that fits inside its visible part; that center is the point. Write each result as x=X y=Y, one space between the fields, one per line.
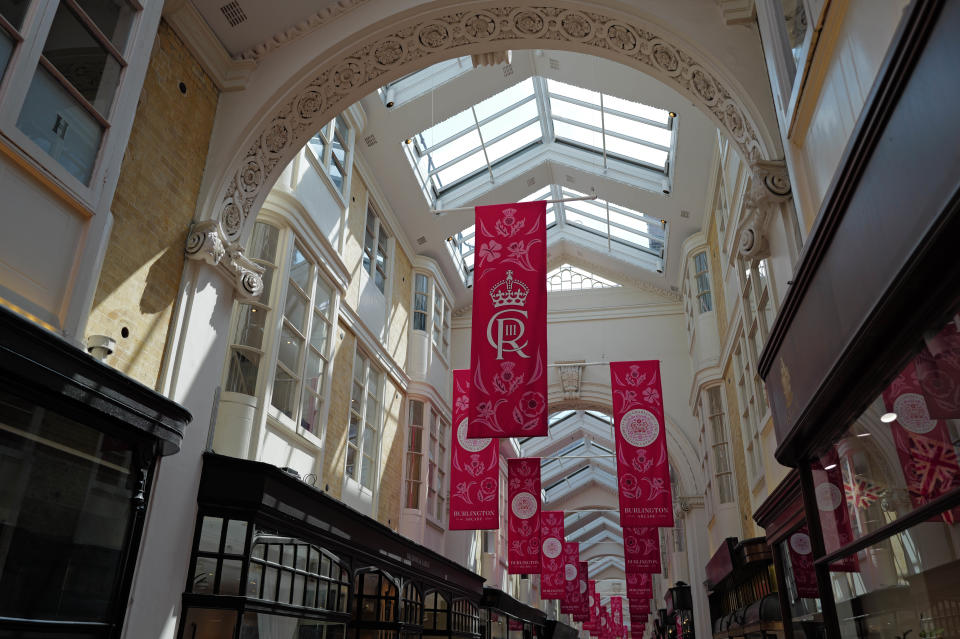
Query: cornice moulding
x=226 y=73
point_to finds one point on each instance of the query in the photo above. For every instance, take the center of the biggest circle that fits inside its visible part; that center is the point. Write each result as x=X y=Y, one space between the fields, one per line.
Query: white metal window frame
x=700 y=274
x=376 y=242
x=440 y=322
x=413 y=85
x=321 y=149
x=26 y=60
x=568 y=277
x=270 y=305
x=413 y=458
x=750 y=417
x=437 y=467
x=788 y=64
x=468 y=141
x=600 y=220
x=370 y=372
x=714 y=416
x=421 y=301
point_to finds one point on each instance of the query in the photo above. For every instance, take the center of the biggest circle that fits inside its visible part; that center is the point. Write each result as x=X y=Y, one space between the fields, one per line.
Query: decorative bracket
x=769 y=187
x=207 y=242
x=571 y=374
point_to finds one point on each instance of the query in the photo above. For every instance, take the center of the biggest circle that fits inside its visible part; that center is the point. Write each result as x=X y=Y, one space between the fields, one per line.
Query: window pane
x=60 y=126
x=284 y=392
x=636 y=152
x=204 y=575
x=290 y=347
x=351 y=469
x=300 y=270
x=202 y=623
x=249 y=325
x=635 y=108
x=369 y=441
x=242 y=377
x=310 y=415
x=366 y=474
x=578 y=134
x=254 y=577
x=112 y=17
x=636 y=129
x=314 y=373
x=514 y=142
x=13 y=11
x=210 y=531
x=263 y=244
x=6 y=50
x=82 y=60
x=230 y=577
x=295 y=309
x=318 y=333
x=575 y=112
x=509 y=120
x=504 y=99
x=236 y=537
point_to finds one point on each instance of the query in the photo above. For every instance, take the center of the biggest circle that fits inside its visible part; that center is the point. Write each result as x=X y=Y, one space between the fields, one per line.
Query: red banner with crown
x=523 y=493
x=570 y=602
x=641 y=550
x=643 y=472
x=508 y=348
x=474 y=468
x=552 y=582
x=927 y=457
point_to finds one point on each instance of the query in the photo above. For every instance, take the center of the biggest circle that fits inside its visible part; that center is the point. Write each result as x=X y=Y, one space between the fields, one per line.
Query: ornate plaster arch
x=394 y=49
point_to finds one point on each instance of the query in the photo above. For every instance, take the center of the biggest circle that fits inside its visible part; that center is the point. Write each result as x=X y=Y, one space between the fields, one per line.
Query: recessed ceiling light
x=886 y=418
x=830 y=467
x=863 y=435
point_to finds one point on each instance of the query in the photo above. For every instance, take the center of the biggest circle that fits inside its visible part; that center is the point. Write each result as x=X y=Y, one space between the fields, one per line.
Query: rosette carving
x=206 y=243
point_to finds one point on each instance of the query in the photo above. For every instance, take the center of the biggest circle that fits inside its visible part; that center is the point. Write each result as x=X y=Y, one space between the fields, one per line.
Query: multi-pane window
x=567 y=277
x=465 y=617
x=441 y=322
x=374 y=598
x=11 y=20
x=701 y=276
x=411 y=605
x=375 y=247
x=414 y=455
x=752 y=407
x=437 y=465
x=723 y=472
x=302 y=299
x=220 y=553
x=436 y=612
x=68 y=105
x=364 y=430
x=292 y=572
x=758 y=310
x=331 y=146
x=421 y=295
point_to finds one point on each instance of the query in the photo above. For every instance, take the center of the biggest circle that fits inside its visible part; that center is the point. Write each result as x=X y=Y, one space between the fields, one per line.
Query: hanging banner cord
x=469 y=209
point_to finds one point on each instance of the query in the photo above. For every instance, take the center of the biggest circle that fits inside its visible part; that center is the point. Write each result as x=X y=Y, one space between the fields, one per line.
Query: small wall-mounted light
x=100 y=346
x=408 y=141
x=673 y=114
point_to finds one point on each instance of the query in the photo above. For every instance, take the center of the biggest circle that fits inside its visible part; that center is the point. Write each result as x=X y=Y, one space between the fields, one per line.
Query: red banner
x=641 y=549
x=938 y=372
x=523 y=493
x=594 y=605
x=570 y=602
x=639 y=607
x=801 y=561
x=551 y=555
x=643 y=472
x=832 y=504
x=639 y=585
x=508 y=348
x=616 y=609
x=583 y=603
x=474 y=469
x=927 y=456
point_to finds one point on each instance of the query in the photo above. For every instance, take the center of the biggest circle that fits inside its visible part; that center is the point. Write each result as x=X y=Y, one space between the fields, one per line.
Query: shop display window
x=465 y=618
x=375 y=601
x=436 y=613
x=411 y=605
x=795 y=554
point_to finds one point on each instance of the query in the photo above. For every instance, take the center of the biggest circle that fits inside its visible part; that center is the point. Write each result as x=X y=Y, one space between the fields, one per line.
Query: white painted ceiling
x=696 y=137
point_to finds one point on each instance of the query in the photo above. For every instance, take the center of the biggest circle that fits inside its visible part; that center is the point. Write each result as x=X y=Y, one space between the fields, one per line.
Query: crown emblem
x=509 y=292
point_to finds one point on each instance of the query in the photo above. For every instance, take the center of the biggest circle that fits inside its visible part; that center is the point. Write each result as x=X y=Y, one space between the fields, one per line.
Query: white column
x=193 y=368
x=695 y=528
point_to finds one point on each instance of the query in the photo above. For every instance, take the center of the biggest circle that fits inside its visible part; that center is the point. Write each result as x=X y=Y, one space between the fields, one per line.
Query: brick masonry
x=154 y=203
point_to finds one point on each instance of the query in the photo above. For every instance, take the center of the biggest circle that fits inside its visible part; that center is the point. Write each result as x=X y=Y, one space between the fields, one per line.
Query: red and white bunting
x=616 y=609
x=552 y=582
x=474 y=468
x=570 y=602
x=643 y=472
x=523 y=493
x=641 y=549
x=508 y=348
x=594 y=603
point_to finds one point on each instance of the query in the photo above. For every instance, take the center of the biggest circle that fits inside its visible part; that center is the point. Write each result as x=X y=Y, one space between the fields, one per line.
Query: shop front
x=507 y=618
x=742 y=590
x=275 y=558
x=863 y=367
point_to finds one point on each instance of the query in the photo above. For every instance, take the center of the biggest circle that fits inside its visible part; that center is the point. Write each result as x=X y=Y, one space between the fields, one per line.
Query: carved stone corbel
x=571 y=374
x=769 y=187
x=207 y=243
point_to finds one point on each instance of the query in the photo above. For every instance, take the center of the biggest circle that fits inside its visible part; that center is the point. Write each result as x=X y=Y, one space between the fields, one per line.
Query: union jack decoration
x=862 y=492
x=933 y=469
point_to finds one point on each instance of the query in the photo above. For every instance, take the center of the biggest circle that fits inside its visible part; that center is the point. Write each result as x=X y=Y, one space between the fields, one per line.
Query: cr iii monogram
x=506 y=327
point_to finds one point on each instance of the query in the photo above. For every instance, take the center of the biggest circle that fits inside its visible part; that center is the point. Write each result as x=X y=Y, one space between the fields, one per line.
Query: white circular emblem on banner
x=591 y=601
x=470 y=445
x=639 y=427
x=829 y=497
x=912 y=413
x=570 y=572
x=583 y=586
x=524 y=505
x=552 y=547
x=800 y=542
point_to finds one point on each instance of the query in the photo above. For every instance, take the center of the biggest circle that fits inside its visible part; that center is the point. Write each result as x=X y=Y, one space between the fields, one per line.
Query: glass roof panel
x=504 y=99
x=454 y=149
x=514 y=142
x=635 y=108
x=636 y=152
x=575 y=112
x=451 y=126
x=570 y=91
x=510 y=120
x=639 y=130
x=578 y=134
x=461 y=169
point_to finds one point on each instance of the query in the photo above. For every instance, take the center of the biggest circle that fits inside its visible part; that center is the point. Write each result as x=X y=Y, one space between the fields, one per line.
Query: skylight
x=605 y=222
x=420 y=82
x=477 y=142
x=567 y=277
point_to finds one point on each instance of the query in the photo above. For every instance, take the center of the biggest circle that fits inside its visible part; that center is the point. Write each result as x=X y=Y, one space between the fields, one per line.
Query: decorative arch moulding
x=390 y=53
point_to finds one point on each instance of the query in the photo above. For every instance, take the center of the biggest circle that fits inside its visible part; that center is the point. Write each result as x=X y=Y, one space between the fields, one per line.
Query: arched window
x=465 y=618
x=436 y=612
x=292 y=572
x=375 y=599
x=411 y=605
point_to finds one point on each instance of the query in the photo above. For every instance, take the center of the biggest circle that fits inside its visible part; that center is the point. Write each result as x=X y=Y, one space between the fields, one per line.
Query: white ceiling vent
x=422 y=240
x=233 y=12
x=507 y=70
x=684 y=213
x=370 y=139
x=554 y=64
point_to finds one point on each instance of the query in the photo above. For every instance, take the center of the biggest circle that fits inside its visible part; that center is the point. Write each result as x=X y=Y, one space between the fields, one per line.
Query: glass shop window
x=66 y=508
x=210 y=623
x=68 y=106
x=411 y=605
x=291 y=572
x=465 y=617
x=436 y=612
x=796 y=556
x=374 y=600
x=221 y=547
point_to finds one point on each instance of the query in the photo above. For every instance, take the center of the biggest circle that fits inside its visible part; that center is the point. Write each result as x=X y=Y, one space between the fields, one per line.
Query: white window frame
x=268 y=353
x=714 y=416
x=321 y=155
x=749 y=409
x=25 y=61
x=413 y=484
x=369 y=370
x=437 y=466
x=704 y=293
x=381 y=243
x=440 y=322
x=423 y=295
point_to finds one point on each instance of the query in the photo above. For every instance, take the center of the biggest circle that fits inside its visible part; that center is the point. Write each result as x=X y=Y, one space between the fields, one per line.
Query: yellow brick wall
x=152 y=208
x=339 y=414
x=739 y=457
x=391 y=458
x=353 y=241
x=399 y=329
